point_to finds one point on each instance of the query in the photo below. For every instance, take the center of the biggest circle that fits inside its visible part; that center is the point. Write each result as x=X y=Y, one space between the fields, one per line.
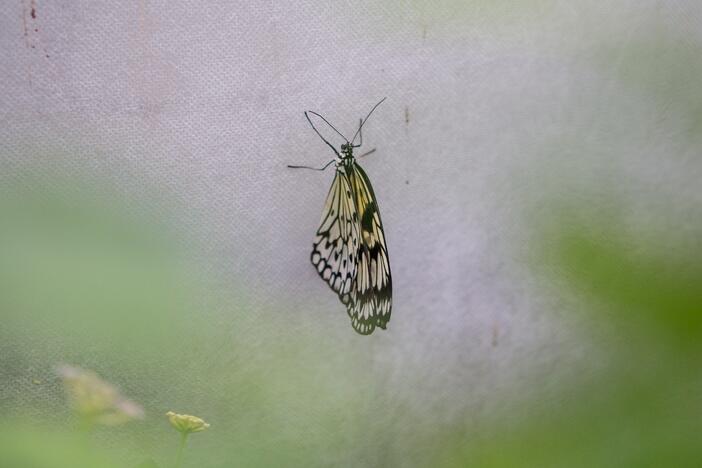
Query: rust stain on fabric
x=31 y=27
x=24 y=23
x=32 y=36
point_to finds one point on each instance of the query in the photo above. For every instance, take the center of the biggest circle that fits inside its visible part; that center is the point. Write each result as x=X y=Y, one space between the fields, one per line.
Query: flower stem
x=86 y=424
x=179 y=457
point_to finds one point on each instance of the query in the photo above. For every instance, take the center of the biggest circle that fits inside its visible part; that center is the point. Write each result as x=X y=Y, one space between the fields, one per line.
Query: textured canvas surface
x=494 y=110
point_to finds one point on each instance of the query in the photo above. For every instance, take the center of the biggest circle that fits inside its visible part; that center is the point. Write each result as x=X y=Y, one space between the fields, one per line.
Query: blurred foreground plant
x=186 y=425
x=28 y=445
x=96 y=401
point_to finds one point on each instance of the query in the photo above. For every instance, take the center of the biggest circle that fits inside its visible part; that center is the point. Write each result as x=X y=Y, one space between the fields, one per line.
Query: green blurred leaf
x=148 y=464
x=642 y=407
x=29 y=447
x=643 y=283
x=81 y=272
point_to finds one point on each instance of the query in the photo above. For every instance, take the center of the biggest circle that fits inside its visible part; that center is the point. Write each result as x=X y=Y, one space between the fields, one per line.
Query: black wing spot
x=367 y=220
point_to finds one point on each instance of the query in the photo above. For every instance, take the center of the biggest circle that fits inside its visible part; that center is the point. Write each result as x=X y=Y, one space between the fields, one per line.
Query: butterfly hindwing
x=335 y=248
x=370 y=301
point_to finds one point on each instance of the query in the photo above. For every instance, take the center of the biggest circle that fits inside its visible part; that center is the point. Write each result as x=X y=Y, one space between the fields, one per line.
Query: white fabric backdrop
x=206 y=100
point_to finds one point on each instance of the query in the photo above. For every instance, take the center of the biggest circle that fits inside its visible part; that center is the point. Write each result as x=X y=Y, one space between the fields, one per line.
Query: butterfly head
x=346 y=150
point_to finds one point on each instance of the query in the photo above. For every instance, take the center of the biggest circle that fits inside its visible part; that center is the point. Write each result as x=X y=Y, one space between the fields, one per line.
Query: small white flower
x=185 y=423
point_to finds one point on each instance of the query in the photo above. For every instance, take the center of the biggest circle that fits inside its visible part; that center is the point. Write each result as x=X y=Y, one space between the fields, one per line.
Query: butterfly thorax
x=345 y=158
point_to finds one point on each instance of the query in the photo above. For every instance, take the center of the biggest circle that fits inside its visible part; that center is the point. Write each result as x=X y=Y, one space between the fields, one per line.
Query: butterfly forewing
x=335 y=248
x=370 y=301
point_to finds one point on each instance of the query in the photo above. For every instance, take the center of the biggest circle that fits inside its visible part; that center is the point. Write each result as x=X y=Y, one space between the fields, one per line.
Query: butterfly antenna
x=360 y=134
x=327 y=122
x=320 y=135
x=312 y=168
x=364 y=120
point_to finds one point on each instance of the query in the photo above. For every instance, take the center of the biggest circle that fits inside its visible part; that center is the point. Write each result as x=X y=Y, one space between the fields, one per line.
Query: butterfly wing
x=335 y=248
x=370 y=300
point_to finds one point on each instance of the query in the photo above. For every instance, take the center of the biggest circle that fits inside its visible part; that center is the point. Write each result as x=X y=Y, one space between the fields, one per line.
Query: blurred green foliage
x=24 y=446
x=643 y=408
x=72 y=264
x=647 y=284
x=87 y=280
x=83 y=282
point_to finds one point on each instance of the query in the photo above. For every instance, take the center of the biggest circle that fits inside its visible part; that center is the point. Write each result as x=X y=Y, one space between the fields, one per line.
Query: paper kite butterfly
x=349 y=251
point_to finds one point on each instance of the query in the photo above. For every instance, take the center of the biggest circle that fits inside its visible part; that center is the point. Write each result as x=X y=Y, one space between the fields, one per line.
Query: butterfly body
x=349 y=251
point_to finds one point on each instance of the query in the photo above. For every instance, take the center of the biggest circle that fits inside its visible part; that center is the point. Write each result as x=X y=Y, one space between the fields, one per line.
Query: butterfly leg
x=366 y=153
x=313 y=168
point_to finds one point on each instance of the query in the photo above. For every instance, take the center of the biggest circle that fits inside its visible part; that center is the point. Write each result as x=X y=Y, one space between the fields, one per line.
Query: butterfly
x=349 y=250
